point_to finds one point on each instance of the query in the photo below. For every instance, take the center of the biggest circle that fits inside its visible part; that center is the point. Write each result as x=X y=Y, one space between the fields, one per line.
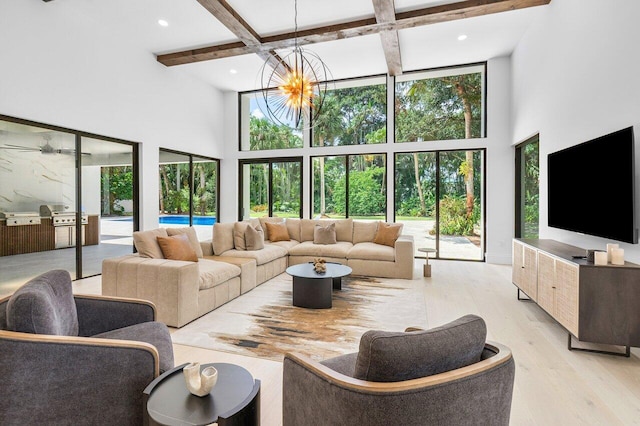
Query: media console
x=595 y=304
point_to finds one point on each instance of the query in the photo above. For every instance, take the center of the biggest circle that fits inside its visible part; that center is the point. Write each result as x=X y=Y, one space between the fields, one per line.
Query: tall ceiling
x=191 y=26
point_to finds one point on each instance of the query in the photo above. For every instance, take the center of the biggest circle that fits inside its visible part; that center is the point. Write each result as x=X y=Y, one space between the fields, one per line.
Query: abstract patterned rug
x=263 y=322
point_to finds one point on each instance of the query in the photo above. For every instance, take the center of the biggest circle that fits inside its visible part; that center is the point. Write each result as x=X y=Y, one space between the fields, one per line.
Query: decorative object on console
x=610 y=248
x=600 y=258
x=617 y=256
x=590 y=254
x=319 y=265
x=199 y=382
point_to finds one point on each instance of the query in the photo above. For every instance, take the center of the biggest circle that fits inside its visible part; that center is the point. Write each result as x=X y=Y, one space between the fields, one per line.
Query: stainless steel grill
x=60 y=215
x=21 y=218
x=65 y=223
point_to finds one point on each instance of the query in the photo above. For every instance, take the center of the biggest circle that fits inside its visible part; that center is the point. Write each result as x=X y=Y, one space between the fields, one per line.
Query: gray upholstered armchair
x=77 y=360
x=446 y=375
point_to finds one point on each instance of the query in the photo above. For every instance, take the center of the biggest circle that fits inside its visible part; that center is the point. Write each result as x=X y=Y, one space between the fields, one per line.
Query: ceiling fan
x=47 y=148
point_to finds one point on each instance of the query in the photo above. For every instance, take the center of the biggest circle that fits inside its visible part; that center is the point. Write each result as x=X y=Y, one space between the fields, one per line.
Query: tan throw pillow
x=277 y=232
x=239 y=229
x=387 y=233
x=254 y=238
x=324 y=234
x=190 y=232
x=177 y=247
x=146 y=243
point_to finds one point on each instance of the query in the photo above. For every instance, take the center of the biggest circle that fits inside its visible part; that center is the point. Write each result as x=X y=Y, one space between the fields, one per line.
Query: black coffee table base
x=314 y=293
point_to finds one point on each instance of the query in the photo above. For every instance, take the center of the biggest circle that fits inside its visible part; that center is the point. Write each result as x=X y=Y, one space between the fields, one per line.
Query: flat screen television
x=591 y=187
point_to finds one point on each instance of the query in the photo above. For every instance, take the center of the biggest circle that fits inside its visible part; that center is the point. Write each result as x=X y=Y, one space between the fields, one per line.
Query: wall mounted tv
x=591 y=187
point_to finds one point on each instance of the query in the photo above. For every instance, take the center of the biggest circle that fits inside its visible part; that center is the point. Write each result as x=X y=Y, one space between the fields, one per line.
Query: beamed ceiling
x=225 y=42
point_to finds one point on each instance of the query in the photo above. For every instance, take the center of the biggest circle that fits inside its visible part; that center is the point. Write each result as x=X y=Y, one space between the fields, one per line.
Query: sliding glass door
x=439 y=199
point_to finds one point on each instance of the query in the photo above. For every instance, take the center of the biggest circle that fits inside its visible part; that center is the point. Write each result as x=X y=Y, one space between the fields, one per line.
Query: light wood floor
x=553 y=386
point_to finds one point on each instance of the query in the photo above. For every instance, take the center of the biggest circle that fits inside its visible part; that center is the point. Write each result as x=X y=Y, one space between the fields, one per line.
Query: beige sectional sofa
x=354 y=247
x=185 y=290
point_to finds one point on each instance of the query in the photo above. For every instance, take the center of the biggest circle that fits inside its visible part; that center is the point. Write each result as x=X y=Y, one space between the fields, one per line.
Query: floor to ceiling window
x=527 y=188
x=270 y=187
x=439 y=199
x=67 y=200
x=365 y=122
x=189 y=191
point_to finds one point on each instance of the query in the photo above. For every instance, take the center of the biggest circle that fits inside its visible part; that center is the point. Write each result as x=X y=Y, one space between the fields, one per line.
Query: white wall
x=499 y=173
x=575 y=77
x=57 y=68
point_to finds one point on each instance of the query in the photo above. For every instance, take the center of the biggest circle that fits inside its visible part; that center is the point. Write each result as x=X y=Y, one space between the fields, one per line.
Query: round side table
x=427 y=267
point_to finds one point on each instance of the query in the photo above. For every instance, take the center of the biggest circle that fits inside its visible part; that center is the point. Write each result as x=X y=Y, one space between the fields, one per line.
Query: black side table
x=234 y=400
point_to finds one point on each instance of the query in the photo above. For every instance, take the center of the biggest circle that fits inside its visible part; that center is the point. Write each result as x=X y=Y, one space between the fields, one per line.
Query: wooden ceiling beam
x=361 y=27
x=385 y=12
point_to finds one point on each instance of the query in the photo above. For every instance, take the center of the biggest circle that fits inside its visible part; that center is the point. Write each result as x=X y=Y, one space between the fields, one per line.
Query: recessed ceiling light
x=462 y=37
x=233 y=71
x=163 y=23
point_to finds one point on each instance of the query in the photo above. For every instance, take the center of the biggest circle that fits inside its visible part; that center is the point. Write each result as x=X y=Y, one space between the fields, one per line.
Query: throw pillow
x=324 y=234
x=277 y=232
x=147 y=244
x=254 y=238
x=177 y=248
x=397 y=356
x=387 y=233
x=239 y=229
x=190 y=232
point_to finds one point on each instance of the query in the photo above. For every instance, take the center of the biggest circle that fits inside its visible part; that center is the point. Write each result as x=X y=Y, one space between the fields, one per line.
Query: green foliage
x=366 y=193
x=453 y=217
x=264 y=134
x=352 y=116
x=117 y=185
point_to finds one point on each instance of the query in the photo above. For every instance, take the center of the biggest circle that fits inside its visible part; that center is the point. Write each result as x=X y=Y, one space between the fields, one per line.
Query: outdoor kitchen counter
x=34 y=238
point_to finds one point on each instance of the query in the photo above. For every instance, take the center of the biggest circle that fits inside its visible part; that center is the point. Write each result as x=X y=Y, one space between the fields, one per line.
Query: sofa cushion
x=147 y=244
x=364 y=232
x=293 y=226
x=222 y=238
x=387 y=233
x=190 y=232
x=263 y=224
x=152 y=332
x=269 y=253
x=44 y=305
x=307 y=248
x=397 y=356
x=212 y=273
x=284 y=244
x=254 y=238
x=372 y=251
x=344 y=228
x=238 y=235
x=177 y=247
x=343 y=364
x=324 y=234
x=278 y=232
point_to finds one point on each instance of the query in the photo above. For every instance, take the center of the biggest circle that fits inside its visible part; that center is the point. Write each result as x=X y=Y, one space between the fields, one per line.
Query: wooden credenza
x=596 y=304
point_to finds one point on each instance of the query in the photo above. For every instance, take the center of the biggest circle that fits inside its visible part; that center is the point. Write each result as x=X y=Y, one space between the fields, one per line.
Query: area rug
x=263 y=322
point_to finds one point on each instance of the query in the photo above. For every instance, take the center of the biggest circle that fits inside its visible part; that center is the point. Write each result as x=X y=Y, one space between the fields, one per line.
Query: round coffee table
x=313 y=290
x=234 y=400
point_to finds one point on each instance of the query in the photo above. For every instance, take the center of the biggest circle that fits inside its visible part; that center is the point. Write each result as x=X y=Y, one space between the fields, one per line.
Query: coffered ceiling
x=225 y=43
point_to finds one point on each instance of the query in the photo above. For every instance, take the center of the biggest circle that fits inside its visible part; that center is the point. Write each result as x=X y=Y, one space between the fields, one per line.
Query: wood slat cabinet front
x=597 y=304
x=558 y=290
x=525 y=269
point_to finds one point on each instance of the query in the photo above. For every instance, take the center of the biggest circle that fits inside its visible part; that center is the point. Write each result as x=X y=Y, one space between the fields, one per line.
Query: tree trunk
x=165 y=178
x=468 y=178
x=416 y=170
x=322 y=188
x=203 y=192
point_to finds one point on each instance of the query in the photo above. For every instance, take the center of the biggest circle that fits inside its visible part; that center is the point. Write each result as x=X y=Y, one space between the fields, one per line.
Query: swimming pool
x=184 y=220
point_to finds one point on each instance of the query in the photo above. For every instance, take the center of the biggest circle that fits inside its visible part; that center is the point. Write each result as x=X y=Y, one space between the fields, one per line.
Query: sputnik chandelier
x=293 y=86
